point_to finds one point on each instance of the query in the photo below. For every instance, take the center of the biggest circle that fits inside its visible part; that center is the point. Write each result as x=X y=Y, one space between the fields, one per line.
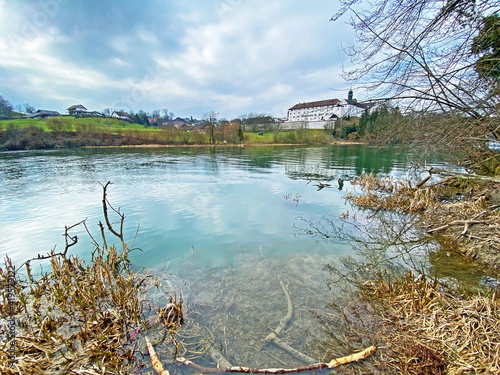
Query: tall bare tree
x=420 y=51
x=424 y=54
x=210 y=118
x=5 y=108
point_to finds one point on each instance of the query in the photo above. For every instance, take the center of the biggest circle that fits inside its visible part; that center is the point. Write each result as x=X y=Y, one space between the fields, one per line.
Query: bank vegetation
x=424 y=324
x=68 y=132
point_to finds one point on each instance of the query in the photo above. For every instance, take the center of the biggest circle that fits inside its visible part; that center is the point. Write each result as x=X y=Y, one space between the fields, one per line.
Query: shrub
x=55 y=125
x=199 y=138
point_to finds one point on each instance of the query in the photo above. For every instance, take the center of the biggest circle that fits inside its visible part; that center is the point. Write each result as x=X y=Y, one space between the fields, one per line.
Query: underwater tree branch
x=316 y=366
x=273 y=336
x=465 y=223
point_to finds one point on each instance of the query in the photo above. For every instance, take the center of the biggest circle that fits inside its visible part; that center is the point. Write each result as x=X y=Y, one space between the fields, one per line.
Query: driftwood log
x=316 y=366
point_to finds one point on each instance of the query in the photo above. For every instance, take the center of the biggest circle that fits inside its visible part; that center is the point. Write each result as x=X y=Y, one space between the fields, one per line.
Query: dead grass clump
x=172 y=315
x=434 y=332
x=391 y=194
x=418 y=359
x=79 y=317
x=463 y=211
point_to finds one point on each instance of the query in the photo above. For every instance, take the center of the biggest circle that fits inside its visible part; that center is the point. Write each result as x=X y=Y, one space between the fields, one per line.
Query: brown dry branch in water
x=355 y=357
x=317 y=366
x=80 y=317
x=462 y=212
x=433 y=332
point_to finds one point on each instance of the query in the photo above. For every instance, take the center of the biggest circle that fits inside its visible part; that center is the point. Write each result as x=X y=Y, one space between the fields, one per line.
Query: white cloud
x=119 y=62
x=230 y=101
x=121 y=44
x=40 y=67
x=148 y=36
x=278 y=89
x=2 y=9
x=229 y=55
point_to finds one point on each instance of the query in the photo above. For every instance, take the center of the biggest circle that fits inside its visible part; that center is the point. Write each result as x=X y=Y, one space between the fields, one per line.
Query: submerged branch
x=316 y=366
x=154 y=359
x=287 y=318
x=273 y=336
x=465 y=223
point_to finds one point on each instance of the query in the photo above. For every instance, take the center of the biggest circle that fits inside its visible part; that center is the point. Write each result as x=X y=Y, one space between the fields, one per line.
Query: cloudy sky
x=231 y=56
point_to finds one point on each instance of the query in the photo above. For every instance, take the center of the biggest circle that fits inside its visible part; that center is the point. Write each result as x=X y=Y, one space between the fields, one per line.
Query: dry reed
x=80 y=317
x=433 y=332
x=77 y=316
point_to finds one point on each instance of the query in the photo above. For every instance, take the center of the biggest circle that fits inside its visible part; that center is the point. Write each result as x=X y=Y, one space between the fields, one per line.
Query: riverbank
x=333 y=143
x=34 y=137
x=423 y=322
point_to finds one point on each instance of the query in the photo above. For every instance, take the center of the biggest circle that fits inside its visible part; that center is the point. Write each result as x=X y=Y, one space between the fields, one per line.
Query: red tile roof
x=319 y=103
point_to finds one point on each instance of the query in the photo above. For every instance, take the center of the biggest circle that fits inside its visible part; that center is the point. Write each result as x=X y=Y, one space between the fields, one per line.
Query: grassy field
x=68 y=132
x=70 y=123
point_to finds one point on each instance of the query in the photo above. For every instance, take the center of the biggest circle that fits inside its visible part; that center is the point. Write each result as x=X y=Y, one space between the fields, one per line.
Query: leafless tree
x=419 y=52
x=210 y=119
x=257 y=122
x=25 y=108
x=423 y=55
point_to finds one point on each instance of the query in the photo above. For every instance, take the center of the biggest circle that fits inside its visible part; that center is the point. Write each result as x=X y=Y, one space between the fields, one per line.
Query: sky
x=188 y=56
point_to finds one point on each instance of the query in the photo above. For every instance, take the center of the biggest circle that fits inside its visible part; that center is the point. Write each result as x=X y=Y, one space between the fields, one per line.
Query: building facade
x=80 y=111
x=42 y=113
x=77 y=110
x=321 y=110
x=329 y=110
x=121 y=115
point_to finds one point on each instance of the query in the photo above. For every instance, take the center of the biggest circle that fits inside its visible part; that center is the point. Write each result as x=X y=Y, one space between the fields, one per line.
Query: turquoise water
x=220 y=226
x=213 y=200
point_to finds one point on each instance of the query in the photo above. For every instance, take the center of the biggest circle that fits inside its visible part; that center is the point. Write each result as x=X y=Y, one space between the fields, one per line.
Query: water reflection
x=215 y=222
x=390 y=242
x=216 y=199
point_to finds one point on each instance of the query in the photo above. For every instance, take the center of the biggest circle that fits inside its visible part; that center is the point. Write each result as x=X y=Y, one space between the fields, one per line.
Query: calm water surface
x=219 y=222
x=216 y=201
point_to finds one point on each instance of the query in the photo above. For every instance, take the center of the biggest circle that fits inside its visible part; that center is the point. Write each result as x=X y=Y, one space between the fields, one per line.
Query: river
x=215 y=200
x=221 y=225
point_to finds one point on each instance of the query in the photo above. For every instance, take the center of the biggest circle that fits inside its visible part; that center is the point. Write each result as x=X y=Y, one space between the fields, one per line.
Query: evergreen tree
x=487 y=44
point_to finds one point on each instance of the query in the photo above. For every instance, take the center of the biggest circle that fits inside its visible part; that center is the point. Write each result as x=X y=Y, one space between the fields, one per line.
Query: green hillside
x=70 y=123
x=71 y=132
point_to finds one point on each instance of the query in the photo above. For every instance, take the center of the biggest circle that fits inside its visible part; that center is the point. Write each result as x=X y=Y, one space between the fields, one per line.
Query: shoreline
x=335 y=143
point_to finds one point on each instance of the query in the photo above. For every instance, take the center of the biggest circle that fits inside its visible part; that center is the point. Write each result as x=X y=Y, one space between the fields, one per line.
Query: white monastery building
x=323 y=113
x=321 y=110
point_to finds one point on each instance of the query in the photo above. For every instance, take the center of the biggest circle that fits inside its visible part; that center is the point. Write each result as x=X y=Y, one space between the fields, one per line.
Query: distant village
x=319 y=114
x=79 y=110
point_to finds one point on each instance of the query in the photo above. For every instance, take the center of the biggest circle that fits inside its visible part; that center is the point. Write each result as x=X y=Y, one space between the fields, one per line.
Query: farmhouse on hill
x=121 y=115
x=80 y=110
x=76 y=110
x=42 y=113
